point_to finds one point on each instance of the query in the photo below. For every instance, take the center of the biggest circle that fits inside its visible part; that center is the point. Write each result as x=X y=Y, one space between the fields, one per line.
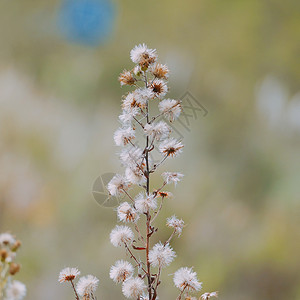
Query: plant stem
x=132 y=256
x=148 y=213
x=76 y=295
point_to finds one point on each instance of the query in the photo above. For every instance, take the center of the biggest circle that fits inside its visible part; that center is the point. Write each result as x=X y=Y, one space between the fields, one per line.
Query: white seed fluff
x=121 y=234
x=127 y=116
x=158 y=130
x=176 y=224
x=15 y=290
x=68 y=274
x=6 y=239
x=161 y=255
x=144 y=203
x=121 y=271
x=143 y=95
x=170 y=108
x=133 y=288
x=138 y=53
x=186 y=279
x=126 y=213
x=171 y=147
x=87 y=285
x=159 y=88
x=135 y=175
x=131 y=157
x=117 y=185
x=172 y=177
x=206 y=296
x=123 y=136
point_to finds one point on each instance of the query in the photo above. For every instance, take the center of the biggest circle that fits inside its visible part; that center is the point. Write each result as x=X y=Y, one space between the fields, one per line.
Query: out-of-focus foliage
x=59 y=103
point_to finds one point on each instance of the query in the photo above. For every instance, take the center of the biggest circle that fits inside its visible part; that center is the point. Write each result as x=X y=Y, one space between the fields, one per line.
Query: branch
x=75 y=292
x=128 y=195
x=133 y=257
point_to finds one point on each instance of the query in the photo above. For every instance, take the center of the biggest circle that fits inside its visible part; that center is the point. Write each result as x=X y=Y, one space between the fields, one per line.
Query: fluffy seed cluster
x=159 y=131
x=149 y=79
x=207 y=296
x=117 y=185
x=6 y=239
x=143 y=56
x=185 y=279
x=159 y=88
x=87 y=285
x=126 y=78
x=145 y=203
x=160 y=71
x=68 y=274
x=121 y=271
x=161 y=255
x=176 y=224
x=121 y=235
x=12 y=289
x=15 y=290
x=172 y=177
x=123 y=136
x=133 y=288
x=170 y=108
x=171 y=147
x=126 y=213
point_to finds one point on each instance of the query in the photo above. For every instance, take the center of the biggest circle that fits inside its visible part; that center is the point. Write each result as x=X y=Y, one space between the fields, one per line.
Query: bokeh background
x=59 y=102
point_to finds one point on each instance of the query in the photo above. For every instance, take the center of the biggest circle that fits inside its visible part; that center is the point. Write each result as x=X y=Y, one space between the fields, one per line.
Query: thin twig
x=158 y=211
x=181 y=293
x=160 y=114
x=170 y=238
x=139 y=233
x=138 y=122
x=133 y=257
x=128 y=195
x=157 y=165
x=76 y=295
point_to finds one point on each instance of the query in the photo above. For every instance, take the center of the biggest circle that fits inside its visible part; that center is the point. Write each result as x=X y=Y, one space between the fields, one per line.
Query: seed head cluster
x=141 y=134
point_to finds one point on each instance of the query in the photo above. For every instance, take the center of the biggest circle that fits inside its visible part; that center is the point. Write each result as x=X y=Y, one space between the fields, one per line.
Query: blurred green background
x=59 y=103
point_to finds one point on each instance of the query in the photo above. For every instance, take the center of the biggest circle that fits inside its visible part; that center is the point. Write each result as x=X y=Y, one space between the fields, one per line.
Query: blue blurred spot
x=87 y=22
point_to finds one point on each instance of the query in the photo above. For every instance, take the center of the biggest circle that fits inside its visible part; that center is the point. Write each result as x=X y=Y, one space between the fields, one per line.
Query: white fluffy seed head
x=143 y=95
x=171 y=147
x=123 y=136
x=144 y=203
x=126 y=78
x=172 y=177
x=133 y=288
x=126 y=213
x=159 y=88
x=15 y=290
x=141 y=52
x=170 y=108
x=121 y=235
x=68 y=274
x=127 y=116
x=176 y=224
x=6 y=239
x=161 y=255
x=158 y=130
x=186 y=279
x=131 y=157
x=160 y=71
x=137 y=99
x=135 y=175
x=121 y=271
x=206 y=296
x=87 y=285
x=117 y=185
